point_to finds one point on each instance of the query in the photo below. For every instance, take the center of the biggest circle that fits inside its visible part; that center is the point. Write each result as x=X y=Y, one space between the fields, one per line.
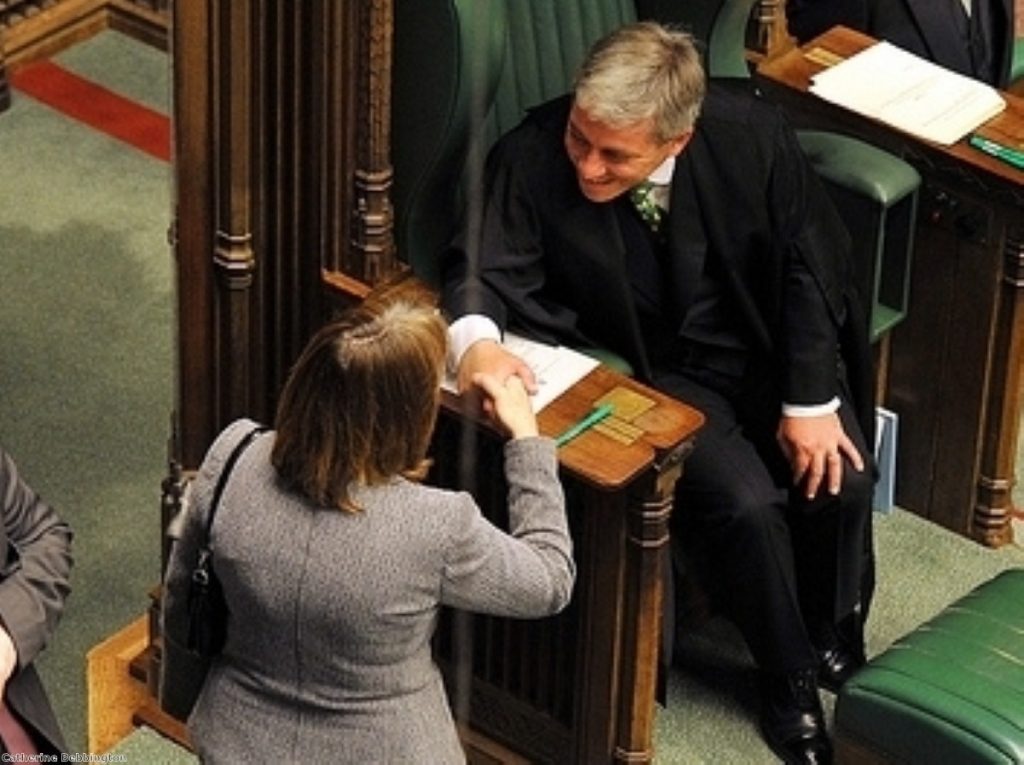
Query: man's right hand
x=491 y=358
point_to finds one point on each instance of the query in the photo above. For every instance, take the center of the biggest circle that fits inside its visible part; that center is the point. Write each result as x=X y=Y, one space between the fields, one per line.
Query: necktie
x=642 y=197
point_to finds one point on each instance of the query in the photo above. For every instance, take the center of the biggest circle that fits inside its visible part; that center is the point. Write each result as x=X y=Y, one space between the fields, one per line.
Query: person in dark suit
x=973 y=37
x=33 y=588
x=728 y=287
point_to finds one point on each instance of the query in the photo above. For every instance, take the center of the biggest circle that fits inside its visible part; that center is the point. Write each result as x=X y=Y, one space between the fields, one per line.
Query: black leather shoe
x=840 y=649
x=791 y=718
x=837 y=665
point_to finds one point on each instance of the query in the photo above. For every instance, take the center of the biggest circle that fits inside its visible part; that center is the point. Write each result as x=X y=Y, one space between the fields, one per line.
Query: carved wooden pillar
x=360 y=227
x=282 y=170
x=993 y=507
x=373 y=246
x=234 y=258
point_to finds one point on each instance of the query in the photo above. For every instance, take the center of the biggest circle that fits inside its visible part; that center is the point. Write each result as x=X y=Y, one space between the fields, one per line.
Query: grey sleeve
x=529 y=571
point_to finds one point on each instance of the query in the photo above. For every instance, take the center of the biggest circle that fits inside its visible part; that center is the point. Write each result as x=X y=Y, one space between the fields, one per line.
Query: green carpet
x=86 y=391
x=86 y=327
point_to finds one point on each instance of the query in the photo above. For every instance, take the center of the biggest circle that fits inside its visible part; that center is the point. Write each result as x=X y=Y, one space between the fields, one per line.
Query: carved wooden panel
x=13 y=12
x=282 y=177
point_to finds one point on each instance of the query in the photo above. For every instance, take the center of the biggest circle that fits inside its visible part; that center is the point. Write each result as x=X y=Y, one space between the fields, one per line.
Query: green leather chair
x=721 y=25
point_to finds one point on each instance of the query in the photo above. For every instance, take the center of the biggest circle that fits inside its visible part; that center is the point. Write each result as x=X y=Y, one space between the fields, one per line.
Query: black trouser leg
x=763 y=560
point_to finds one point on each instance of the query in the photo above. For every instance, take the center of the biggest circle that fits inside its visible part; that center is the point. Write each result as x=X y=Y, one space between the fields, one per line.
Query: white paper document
x=909 y=93
x=556 y=367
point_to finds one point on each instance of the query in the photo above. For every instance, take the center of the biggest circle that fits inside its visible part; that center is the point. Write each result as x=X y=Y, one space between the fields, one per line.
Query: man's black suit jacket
x=925 y=27
x=539 y=256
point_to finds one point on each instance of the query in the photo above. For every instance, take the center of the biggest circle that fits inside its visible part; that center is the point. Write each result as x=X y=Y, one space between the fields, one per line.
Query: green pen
x=997 y=150
x=596 y=415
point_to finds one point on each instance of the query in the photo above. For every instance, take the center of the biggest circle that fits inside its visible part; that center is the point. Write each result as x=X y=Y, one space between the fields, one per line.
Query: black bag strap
x=225 y=473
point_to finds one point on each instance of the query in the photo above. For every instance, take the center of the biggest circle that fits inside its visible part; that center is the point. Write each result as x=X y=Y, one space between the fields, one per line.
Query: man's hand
x=491 y=358
x=815 y=447
x=8 y=659
x=510 y=404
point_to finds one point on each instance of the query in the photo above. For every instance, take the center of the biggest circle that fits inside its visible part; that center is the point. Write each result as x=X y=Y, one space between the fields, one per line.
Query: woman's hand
x=509 y=402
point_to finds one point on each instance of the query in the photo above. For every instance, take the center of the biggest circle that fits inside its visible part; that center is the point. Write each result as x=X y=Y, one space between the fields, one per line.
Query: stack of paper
x=909 y=93
x=556 y=367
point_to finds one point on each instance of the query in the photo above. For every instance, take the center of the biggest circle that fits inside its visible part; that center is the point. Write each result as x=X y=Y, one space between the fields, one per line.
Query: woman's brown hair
x=360 y=403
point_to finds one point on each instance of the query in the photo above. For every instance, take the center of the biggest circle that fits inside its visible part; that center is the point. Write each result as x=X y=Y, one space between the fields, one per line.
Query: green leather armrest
x=876 y=194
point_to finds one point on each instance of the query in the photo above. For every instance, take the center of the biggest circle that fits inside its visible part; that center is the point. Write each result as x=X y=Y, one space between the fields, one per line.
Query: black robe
x=541 y=257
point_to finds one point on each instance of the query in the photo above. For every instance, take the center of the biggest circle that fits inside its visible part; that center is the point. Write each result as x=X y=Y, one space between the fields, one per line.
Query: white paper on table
x=910 y=93
x=556 y=367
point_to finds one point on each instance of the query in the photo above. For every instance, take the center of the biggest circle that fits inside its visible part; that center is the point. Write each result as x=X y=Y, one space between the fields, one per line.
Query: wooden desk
x=955 y=363
x=578 y=687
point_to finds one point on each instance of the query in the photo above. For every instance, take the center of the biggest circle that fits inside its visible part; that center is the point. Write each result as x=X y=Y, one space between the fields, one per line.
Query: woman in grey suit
x=335 y=560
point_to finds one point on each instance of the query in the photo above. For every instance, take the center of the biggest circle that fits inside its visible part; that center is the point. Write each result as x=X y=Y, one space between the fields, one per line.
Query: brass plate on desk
x=628 y=406
x=822 y=56
x=619 y=430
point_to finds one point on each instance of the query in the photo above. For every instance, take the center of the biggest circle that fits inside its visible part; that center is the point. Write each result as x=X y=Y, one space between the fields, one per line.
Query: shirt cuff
x=466 y=330
x=813 y=410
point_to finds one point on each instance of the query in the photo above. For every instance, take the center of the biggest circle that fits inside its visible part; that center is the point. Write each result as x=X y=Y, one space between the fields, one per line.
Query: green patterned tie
x=642 y=197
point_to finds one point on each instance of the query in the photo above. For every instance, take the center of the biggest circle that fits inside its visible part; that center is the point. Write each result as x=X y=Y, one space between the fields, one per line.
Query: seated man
x=728 y=287
x=973 y=37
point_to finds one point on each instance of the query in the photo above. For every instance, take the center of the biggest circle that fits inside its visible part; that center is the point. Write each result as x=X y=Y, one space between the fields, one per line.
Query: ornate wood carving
x=366 y=250
x=373 y=245
x=648 y=538
x=282 y=129
x=993 y=507
x=234 y=259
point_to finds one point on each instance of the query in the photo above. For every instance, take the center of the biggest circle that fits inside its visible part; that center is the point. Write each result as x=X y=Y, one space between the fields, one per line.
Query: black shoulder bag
x=207 y=609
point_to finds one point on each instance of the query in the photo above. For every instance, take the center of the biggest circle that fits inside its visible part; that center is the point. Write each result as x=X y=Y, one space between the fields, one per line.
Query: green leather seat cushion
x=952 y=690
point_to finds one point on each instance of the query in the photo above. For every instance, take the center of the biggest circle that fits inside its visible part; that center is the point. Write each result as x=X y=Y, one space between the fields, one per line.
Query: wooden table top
x=795 y=68
x=616 y=451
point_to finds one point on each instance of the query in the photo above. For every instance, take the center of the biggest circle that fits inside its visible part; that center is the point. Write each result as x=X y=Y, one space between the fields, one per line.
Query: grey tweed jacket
x=328 y=652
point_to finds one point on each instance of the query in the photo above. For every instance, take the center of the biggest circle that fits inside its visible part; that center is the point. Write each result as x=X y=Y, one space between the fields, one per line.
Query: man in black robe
x=727 y=286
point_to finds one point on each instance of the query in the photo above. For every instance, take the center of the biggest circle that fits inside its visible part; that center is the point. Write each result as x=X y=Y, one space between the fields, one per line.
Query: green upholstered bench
x=952 y=691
